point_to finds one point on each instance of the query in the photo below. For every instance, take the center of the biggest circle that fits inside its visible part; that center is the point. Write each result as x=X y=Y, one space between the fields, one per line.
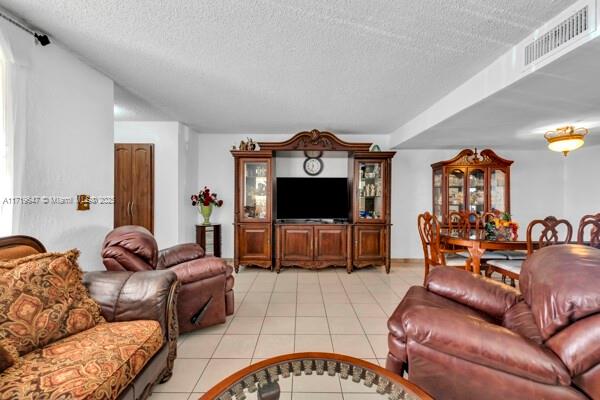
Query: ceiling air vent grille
x=561 y=34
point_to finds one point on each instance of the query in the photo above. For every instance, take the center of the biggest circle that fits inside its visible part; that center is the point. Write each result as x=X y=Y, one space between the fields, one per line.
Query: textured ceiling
x=564 y=92
x=272 y=66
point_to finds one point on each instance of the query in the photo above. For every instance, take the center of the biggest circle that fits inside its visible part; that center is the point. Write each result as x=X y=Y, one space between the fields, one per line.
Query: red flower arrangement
x=206 y=198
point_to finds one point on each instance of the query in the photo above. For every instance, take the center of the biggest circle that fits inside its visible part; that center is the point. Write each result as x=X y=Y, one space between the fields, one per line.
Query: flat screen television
x=312 y=198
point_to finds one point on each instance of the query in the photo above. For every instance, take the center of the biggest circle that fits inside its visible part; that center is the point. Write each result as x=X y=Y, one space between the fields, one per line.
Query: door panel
x=297 y=243
x=330 y=243
x=255 y=241
x=123 y=188
x=369 y=242
x=143 y=186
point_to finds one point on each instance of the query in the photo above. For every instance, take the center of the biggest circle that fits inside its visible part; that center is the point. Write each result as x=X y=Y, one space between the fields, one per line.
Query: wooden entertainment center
x=362 y=239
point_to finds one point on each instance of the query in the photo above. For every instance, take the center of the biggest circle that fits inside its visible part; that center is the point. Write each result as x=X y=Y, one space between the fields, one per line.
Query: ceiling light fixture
x=565 y=139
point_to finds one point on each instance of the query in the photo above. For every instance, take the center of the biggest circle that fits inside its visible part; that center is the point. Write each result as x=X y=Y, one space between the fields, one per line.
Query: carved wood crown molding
x=468 y=157
x=314 y=140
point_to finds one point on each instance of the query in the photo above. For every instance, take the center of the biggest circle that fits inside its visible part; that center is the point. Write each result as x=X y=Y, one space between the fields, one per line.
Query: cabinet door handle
x=131 y=209
x=127 y=212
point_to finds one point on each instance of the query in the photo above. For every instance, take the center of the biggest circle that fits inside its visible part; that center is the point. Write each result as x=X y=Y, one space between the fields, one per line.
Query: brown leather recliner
x=206 y=294
x=464 y=336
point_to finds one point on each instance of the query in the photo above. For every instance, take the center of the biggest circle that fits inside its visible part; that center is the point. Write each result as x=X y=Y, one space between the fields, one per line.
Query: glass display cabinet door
x=255 y=190
x=498 y=190
x=437 y=193
x=370 y=191
x=456 y=190
x=477 y=191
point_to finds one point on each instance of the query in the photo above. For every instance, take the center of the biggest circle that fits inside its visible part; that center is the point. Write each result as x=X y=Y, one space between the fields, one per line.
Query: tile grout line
x=222 y=336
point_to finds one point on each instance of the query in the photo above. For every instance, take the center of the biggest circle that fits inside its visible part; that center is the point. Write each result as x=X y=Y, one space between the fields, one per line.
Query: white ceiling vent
x=561 y=34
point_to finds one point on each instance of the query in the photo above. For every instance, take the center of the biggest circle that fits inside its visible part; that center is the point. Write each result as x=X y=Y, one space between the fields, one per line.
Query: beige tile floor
x=297 y=310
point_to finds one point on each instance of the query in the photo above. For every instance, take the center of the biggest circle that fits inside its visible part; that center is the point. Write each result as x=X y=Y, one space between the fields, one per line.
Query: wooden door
x=330 y=243
x=369 y=243
x=254 y=242
x=123 y=186
x=134 y=185
x=142 y=200
x=297 y=243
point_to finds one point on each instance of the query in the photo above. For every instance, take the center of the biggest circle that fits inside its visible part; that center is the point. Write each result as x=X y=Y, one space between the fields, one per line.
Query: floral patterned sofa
x=68 y=335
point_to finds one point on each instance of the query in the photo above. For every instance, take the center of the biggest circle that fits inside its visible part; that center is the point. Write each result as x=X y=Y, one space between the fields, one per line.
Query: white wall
x=537 y=184
x=188 y=183
x=167 y=197
x=582 y=190
x=64 y=147
x=216 y=171
x=537 y=187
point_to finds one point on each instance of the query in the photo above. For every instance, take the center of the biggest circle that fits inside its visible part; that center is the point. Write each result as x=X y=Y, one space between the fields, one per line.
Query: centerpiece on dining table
x=205 y=201
x=501 y=227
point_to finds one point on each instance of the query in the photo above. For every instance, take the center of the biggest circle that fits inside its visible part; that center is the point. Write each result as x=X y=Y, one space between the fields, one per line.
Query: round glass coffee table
x=317 y=372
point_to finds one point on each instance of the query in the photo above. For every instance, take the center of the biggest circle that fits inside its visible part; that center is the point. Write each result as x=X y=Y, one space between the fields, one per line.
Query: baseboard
x=406 y=260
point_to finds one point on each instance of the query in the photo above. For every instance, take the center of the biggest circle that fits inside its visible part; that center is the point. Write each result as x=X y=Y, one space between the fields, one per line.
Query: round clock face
x=313 y=166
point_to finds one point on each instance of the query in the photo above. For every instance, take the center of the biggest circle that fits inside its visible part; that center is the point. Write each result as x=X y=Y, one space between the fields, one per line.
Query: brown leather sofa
x=206 y=294
x=124 y=296
x=463 y=336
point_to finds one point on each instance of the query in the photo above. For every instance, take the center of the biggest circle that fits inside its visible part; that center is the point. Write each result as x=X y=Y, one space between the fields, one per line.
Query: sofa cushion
x=42 y=299
x=94 y=364
x=419 y=297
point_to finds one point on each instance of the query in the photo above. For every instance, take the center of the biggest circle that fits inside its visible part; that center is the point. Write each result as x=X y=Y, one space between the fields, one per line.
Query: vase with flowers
x=205 y=201
x=501 y=227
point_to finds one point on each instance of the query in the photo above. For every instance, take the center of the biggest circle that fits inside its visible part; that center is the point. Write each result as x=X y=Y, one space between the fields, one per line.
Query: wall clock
x=313 y=165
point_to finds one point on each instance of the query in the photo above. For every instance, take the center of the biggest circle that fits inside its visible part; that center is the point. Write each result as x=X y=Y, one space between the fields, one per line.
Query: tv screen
x=312 y=198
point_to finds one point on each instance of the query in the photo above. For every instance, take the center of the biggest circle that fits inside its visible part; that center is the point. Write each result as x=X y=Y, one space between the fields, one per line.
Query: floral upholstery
x=95 y=364
x=42 y=300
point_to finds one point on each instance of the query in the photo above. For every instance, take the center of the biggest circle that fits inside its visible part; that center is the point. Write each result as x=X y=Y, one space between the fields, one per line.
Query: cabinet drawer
x=331 y=243
x=254 y=241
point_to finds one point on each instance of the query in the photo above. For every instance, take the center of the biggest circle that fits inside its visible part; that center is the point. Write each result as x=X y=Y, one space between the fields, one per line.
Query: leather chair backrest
x=129 y=248
x=560 y=283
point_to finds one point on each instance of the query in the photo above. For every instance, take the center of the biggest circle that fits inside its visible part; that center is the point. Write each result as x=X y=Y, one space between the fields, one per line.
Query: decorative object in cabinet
x=471 y=181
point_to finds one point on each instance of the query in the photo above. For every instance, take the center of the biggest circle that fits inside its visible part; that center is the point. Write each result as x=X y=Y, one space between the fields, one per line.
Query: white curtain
x=13 y=96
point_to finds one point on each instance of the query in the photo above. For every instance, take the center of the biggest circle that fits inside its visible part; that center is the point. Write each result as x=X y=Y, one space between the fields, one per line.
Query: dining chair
x=458 y=222
x=433 y=253
x=593 y=223
x=468 y=223
x=551 y=231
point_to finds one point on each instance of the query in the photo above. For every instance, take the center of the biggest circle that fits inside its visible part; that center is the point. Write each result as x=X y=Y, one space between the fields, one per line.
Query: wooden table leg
x=476 y=252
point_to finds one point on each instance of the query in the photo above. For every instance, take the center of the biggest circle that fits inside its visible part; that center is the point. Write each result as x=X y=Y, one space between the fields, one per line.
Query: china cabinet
x=471 y=182
x=361 y=239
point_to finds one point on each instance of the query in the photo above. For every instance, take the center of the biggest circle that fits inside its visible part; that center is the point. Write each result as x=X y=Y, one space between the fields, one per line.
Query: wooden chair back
x=553 y=231
x=429 y=231
x=591 y=222
x=483 y=219
x=459 y=222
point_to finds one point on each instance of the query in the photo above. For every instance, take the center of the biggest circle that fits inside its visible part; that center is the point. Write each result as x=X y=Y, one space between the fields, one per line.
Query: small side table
x=209 y=237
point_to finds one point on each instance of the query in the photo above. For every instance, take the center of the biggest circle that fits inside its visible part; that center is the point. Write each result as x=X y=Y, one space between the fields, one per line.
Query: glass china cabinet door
x=498 y=190
x=437 y=193
x=370 y=190
x=477 y=191
x=456 y=190
x=255 y=190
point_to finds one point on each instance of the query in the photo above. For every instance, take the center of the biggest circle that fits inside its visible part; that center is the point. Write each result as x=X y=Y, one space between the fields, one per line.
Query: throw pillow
x=43 y=299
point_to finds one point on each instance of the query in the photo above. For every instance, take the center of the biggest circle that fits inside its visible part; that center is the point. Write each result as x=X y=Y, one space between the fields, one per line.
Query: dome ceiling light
x=565 y=139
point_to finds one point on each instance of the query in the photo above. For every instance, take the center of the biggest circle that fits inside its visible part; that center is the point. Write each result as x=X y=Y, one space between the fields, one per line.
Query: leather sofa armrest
x=178 y=254
x=200 y=269
x=483 y=294
x=484 y=343
x=130 y=296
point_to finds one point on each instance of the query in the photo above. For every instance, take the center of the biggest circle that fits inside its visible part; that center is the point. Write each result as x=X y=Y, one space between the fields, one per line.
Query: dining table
x=477 y=243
